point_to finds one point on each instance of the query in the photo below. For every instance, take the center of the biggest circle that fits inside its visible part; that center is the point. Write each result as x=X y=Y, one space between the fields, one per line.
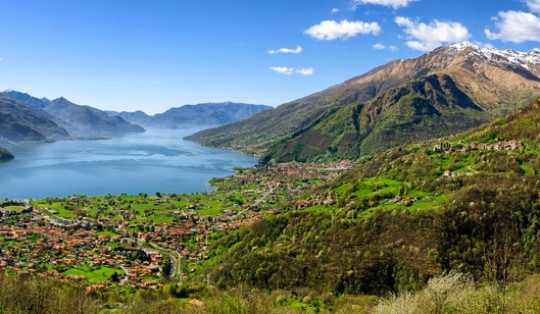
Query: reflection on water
x=158 y=160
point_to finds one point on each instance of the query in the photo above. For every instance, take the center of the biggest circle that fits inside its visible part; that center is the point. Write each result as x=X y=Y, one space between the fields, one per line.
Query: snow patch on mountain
x=498 y=56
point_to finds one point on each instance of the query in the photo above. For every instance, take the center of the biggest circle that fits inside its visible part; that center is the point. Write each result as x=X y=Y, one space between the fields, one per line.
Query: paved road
x=176 y=259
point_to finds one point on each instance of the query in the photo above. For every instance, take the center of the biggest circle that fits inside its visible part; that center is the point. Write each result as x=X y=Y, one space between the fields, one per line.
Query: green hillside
x=430 y=107
x=440 y=93
x=448 y=226
x=469 y=203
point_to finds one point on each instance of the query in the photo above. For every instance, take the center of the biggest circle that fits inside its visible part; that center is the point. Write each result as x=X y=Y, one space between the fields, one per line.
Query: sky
x=151 y=55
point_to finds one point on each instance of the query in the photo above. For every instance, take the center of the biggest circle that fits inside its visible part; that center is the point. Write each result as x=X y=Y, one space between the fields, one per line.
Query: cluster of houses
x=38 y=240
x=287 y=179
x=317 y=199
x=37 y=244
x=49 y=245
x=497 y=145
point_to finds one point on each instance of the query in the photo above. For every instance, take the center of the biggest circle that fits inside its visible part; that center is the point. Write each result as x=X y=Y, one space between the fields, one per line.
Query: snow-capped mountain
x=529 y=60
x=450 y=89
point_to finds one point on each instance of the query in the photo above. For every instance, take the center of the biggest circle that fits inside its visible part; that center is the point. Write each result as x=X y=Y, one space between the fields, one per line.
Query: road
x=176 y=259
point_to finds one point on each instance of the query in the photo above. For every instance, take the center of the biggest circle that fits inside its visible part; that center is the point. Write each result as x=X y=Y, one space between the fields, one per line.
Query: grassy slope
x=256 y=133
x=430 y=107
x=367 y=242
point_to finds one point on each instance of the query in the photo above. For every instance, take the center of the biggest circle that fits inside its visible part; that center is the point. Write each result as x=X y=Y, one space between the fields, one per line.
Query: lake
x=155 y=161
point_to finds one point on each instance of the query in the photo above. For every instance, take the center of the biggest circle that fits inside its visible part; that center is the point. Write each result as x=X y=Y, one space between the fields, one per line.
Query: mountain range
x=206 y=114
x=83 y=121
x=19 y=123
x=24 y=118
x=440 y=93
x=59 y=119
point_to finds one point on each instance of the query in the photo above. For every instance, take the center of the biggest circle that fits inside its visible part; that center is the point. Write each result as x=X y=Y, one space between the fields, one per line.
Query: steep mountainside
x=87 y=121
x=19 y=123
x=432 y=106
x=205 y=114
x=27 y=100
x=468 y=203
x=522 y=124
x=495 y=81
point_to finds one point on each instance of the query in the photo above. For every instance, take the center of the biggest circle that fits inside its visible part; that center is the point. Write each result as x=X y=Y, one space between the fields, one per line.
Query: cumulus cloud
x=426 y=37
x=298 y=49
x=387 y=3
x=516 y=27
x=383 y=47
x=305 y=71
x=534 y=5
x=331 y=30
x=334 y=10
x=282 y=70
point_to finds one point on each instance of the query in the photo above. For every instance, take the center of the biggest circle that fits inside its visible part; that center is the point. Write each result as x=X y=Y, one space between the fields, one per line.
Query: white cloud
x=282 y=70
x=484 y=45
x=387 y=3
x=298 y=49
x=291 y=71
x=330 y=30
x=516 y=27
x=534 y=5
x=305 y=71
x=334 y=10
x=383 y=47
x=426 y=37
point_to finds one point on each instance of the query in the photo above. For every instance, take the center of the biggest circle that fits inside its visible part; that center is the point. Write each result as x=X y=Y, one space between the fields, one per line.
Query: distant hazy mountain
x=27 y=100
x=19 y=123
x=137 y=117
x=205 y=114
x=84 y=121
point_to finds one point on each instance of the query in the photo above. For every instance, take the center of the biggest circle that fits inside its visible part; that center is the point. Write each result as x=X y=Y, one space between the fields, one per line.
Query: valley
x=412 y=175
x=321 y=237
x=268 y=157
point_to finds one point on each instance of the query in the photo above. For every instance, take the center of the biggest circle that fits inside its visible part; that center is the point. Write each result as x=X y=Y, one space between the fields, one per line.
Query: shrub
x=439 y=296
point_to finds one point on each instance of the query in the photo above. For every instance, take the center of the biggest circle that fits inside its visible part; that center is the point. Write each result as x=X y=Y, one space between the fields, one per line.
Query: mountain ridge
x=87 y=121
x=207 y=114
x=497 y=81
x=19 y=123
x=79 y=121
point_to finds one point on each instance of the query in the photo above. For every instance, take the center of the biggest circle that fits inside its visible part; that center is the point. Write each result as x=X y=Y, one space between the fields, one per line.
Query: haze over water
x=158 y=160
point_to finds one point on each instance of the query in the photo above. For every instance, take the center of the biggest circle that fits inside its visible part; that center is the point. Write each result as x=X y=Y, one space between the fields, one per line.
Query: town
x=144 y=240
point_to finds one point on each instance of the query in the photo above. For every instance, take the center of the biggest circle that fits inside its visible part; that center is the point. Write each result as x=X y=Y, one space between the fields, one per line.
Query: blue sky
x=157 y=54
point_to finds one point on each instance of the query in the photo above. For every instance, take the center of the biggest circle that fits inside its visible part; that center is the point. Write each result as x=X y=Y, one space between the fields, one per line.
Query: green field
x=94 y=275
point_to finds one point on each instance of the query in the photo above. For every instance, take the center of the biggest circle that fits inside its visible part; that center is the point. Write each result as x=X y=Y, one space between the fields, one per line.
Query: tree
x=115 y=277
x=166 y=270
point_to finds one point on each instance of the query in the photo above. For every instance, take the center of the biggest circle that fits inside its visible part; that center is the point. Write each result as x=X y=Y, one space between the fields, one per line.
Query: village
x=497 y=145
x=143 y=241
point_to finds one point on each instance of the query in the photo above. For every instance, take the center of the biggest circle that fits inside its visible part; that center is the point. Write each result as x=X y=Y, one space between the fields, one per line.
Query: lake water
x=158 y=160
